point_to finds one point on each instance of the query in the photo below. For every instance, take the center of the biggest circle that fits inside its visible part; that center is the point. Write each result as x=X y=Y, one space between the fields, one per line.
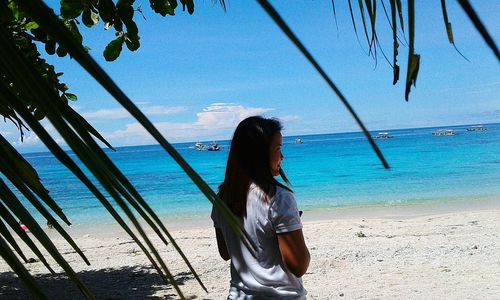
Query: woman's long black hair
x=249 y=162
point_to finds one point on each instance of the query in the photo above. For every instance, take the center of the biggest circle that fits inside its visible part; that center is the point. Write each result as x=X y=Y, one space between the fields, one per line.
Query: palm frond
x=363 y=21
x=51 y=24
x=18 y=68
x=23 y=274
x=471 y=13
x=449 y=31
x=335 y=17
x=413 y=59
x=4 y=231
x=395 y=44
x=354 y=26
x=18 y=209
x=77 y=134
x=288 y=32
x=66 y=160
x=9 y=218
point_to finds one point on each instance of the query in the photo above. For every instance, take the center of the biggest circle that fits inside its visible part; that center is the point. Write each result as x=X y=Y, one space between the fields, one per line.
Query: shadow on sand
x=124 y=283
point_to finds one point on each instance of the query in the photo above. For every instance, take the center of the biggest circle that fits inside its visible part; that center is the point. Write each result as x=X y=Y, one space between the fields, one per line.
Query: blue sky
x=196 y=76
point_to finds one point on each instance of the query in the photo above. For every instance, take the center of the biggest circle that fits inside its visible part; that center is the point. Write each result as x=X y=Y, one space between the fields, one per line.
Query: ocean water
x=327 y=171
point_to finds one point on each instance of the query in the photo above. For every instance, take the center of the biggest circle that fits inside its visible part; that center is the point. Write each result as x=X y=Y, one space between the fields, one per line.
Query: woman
x=268 y=212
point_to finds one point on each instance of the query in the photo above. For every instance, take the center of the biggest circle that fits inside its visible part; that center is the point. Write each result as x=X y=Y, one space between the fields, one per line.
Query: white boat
x=443 y=132
x=200 y=146
x=298 y=141
x=383 y=135
x=214 y=147
x=477 y=128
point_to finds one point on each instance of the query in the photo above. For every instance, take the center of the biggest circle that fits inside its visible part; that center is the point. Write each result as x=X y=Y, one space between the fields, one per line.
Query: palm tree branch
x=288 y=32
x=21 y=271
x=9 y=218
x=471 y=13
x=52 y=25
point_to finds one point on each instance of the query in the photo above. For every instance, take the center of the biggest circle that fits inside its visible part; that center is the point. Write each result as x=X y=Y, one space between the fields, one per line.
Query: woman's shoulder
x=282 y=194
x=279 y=194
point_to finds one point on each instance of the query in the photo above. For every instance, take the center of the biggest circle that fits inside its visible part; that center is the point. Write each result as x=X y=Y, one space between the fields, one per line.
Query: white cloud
x=217 y=121
x=290 y=118
x=30 y=139
x=226 y=115
x=121 y=113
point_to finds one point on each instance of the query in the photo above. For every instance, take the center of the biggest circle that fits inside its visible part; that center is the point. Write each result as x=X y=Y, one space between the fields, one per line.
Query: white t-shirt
x=264 y=277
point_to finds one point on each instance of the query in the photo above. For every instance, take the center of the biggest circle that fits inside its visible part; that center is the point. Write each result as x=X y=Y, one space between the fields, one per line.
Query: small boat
x=441 y=132
x=200 y=146
x=298 y=141
x=214 y=147
x=383 y=135
x=477 y=128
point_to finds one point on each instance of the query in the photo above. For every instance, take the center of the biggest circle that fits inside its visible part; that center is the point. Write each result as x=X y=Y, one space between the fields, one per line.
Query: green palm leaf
x=288 y=32
x=449 y=30
x=471 y=13
x=413 y=59
x=9 y=218
x=49 y=22
x=395 y=44
x=77 y=134
x=14 y=263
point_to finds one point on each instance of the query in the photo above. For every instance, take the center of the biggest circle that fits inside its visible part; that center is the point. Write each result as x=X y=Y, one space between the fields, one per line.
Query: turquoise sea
x=327 y=171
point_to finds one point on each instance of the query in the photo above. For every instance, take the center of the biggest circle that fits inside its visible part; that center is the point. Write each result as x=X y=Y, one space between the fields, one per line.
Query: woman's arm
x=221 y=244
x=294 y=252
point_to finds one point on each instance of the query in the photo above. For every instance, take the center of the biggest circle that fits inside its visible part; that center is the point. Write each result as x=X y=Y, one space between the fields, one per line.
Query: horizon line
x=285 y=136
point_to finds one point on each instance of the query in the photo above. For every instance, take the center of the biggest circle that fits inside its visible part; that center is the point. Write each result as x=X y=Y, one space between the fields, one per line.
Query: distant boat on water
x=383 y=135
x=199 y=146
x=444 y=132
x=477 y=128
x=214 y=147
x=298 y=141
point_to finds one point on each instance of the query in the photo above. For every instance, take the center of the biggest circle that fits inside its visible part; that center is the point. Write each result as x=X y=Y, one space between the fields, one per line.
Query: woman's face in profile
x=275 y=156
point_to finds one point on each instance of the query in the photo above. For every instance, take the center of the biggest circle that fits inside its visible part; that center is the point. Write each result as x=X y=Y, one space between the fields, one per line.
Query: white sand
x=452 y=255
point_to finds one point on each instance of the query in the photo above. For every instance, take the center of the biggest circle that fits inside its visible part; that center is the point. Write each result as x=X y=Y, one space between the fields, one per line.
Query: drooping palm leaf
x=288 y=32
x=18 y=209
x=27 y=178
x=51 y=24
x=354 y=26
x=66 y=160
x=12 y=174
x=23 y=274
x=372 y=14
x=4 y=231
x=449 y=31
x=365 y=29
x=16 y=65
x=413 y=59
x=335 y=17
x=82 y=143
x=9 y=218
x=86 y=139
x=395 y=44
x=399 y=5
x=471 y=13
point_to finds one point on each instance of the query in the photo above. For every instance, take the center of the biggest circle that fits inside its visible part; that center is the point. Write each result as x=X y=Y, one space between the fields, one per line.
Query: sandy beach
x=449 y=255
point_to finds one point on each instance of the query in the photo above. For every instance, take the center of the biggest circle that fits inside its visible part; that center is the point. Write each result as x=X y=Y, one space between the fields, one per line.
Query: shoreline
x=452 y=255
x=405 y=211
